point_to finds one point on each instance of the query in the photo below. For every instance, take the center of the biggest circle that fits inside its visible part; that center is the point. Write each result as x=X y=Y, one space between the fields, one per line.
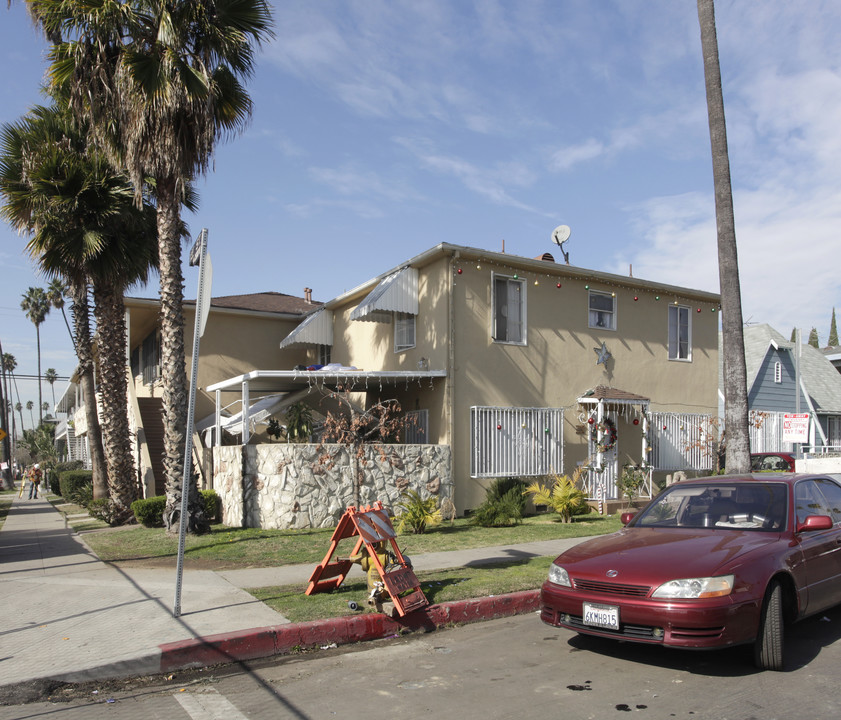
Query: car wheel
x=768 y=647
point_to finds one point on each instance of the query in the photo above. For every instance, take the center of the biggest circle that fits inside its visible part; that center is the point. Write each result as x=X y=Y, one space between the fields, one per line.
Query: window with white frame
x=602 y=312
x=778 y=372
x=509 y=308
x=680 y=333
x=404 y=331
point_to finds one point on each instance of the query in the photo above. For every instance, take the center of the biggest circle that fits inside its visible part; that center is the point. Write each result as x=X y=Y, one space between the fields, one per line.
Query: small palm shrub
x=504 y=504
x=418 y=514
x=564 y=495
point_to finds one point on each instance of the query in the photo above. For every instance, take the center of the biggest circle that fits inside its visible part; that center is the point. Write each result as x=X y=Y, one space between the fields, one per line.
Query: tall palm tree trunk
x=81 y=315
x=176 y=391
x=40 y=383
x=737 y=458
x=111 y=333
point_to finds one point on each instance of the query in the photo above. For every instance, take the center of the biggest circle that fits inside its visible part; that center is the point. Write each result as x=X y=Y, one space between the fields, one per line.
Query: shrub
x=504 y=504
x=76 y=486
x=150 y=511
x=563 y=496
x=58 y=468
x=103 y=509
x=418 y=514
x=631 y=481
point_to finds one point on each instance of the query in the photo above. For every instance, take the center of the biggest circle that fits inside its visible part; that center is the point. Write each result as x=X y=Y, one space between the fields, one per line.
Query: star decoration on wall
x=603 y=354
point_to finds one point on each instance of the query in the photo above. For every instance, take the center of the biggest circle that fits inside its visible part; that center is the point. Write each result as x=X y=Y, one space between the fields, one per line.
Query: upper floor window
x=680 y=333
x=404 y=331
x=509 y=310
x=602 y=311
x=778 y=372
x=150 y=358
x=324 y=352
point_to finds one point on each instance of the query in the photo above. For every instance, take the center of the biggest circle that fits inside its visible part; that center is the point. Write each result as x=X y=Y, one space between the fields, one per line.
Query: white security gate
x=683 y=441
x=515 y=442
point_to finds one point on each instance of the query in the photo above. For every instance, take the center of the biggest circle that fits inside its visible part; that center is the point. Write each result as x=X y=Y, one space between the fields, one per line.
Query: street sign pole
x=200 y=257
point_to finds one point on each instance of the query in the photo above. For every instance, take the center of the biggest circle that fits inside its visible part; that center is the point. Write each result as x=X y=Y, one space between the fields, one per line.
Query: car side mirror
x=626 y=517
x=815 y=522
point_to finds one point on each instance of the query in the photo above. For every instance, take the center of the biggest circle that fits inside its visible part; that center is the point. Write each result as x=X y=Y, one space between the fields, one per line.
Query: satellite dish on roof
x=559 y=236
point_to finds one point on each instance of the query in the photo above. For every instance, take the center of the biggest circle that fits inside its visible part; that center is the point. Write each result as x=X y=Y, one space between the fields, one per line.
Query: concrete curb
x=279 y=639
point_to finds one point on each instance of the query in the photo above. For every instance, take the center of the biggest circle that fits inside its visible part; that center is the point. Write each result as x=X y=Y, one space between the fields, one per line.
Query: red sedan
x=708 y=563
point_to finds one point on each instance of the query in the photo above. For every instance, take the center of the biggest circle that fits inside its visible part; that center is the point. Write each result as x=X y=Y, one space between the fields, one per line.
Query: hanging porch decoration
x=606 y=430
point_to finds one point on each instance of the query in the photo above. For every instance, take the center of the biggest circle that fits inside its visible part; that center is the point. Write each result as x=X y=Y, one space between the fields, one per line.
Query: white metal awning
x=396 y=293
x=305 y=381
x=316 y=329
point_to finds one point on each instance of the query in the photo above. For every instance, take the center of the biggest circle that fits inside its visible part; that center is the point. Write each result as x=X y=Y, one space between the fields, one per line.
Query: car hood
x=652 y=556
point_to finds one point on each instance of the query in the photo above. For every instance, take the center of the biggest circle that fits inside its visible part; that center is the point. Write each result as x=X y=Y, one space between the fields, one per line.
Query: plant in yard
x=418 y=514
x=274 y=429
x=298 y=422
x=631 y=481
x=355 y=430
x=504 y=504
x=564 y=495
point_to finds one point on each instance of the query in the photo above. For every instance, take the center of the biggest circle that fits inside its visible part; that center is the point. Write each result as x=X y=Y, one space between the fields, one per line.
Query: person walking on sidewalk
x=34 y=480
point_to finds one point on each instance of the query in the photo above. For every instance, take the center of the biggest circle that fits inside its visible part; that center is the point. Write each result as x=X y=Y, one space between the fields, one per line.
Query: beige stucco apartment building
x=521 y=366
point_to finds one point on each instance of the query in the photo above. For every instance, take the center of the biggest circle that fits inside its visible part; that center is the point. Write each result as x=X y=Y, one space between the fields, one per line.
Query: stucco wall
x=283 y=486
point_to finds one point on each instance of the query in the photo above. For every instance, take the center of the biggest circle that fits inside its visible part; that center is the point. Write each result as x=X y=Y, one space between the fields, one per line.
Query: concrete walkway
x=68 y=616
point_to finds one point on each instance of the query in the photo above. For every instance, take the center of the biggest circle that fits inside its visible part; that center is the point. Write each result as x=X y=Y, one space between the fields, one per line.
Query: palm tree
x=35 y=202
x=56 y=291
x=29 y=406
x=87 y=227
x=36 y=306
x=19 y=408
x=50 y=375
x=162 y=84
x=9 y=365
x=8 y=479
x=737 y=458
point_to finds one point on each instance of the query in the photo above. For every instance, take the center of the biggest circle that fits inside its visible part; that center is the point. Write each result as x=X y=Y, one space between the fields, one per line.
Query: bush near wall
x=55 y=474
x=150 y=511
x=72 y=483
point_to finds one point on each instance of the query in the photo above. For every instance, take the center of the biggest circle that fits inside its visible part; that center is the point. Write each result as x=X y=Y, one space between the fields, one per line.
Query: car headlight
x=696 y=588
x=559 y=576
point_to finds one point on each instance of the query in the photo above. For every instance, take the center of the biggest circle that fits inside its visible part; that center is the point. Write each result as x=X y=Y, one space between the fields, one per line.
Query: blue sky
x=384 y=127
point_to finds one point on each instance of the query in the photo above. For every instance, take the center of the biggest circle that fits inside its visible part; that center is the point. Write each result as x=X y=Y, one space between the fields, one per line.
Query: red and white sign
x=796 y=427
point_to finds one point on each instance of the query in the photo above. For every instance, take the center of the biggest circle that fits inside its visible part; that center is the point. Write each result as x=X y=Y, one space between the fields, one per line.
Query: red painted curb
x=280 y=639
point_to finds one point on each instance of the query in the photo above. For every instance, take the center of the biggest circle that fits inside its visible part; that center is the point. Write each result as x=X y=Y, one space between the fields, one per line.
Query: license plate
x=604 y=616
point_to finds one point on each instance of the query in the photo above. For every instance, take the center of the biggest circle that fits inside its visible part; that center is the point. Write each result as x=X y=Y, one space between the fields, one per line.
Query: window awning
x=396 y=293
x=317 y=329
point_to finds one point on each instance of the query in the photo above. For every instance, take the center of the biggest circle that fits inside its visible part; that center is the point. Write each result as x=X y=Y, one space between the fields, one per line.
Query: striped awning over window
x=317 y=329
x=397 y=292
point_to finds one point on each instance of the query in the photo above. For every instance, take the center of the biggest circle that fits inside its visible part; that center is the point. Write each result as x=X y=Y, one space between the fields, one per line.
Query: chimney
x=308 y=295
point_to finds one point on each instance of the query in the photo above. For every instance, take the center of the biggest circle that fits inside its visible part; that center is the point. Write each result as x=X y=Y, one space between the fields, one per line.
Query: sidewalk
x=68 y=616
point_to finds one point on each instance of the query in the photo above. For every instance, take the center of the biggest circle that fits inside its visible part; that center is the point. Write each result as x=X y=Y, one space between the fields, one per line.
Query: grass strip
x=438 y=586
x=226 y=548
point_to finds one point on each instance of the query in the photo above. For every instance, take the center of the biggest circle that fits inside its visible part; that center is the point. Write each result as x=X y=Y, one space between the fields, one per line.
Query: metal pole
x=201 y=249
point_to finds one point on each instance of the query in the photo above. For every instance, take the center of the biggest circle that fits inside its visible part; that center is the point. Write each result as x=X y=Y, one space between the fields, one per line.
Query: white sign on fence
x=796 y=427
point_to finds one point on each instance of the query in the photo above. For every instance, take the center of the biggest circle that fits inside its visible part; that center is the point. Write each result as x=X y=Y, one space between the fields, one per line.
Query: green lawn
x=226 y=548
x=231 y=548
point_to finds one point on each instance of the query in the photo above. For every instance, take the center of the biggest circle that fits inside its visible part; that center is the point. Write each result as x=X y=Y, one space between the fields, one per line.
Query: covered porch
x=615 y=421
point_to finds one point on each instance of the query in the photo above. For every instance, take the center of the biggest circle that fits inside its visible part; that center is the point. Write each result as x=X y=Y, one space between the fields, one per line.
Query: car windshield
x=741 y=506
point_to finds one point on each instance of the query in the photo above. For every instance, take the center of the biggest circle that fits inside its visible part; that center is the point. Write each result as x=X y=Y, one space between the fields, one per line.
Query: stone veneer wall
x=289 y=486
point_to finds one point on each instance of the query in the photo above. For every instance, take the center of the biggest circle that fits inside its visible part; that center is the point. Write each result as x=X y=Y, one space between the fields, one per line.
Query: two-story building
x=522 y=366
